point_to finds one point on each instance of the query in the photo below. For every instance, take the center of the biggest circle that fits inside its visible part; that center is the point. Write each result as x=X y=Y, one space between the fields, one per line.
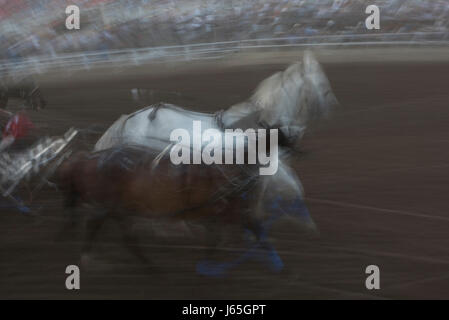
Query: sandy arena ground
x=375 y=174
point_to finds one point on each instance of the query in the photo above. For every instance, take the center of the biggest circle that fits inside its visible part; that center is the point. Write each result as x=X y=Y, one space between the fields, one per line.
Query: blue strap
x=262 y=251
x=265 y=254
x=18 y=205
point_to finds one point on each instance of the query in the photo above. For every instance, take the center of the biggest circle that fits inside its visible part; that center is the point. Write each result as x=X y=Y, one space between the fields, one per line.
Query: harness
x=230 y=189
x=241 y=184
x=218 y=116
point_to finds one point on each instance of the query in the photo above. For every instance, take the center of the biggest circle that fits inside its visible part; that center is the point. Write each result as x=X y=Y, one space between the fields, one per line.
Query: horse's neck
x=270 y=112
x=240 y=115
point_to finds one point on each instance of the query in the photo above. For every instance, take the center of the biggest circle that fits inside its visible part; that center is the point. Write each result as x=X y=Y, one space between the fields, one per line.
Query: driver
x=16 y=127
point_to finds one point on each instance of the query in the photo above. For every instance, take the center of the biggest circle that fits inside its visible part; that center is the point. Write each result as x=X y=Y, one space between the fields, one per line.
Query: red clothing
x=18 y=126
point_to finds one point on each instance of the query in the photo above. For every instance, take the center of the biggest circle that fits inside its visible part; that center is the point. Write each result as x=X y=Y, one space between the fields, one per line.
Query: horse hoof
x=271 y=259
x=24 y=209
x=276 y=264
x=211 y=269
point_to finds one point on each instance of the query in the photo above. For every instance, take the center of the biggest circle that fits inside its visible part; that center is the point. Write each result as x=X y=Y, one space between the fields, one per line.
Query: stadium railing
x=136 y=56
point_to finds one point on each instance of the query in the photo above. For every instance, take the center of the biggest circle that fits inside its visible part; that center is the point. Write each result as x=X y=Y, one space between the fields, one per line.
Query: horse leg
x=215 y=238
x=262 y=250
x=27 y=96
x=132 y=241
x=92 y=227
x=42 y=101
x=4 y=100
x=34 y=101
x=71 y=219
x=218 y=269
x=37 y=100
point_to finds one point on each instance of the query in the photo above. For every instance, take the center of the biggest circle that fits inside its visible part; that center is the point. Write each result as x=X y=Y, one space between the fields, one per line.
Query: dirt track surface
x=375 y=174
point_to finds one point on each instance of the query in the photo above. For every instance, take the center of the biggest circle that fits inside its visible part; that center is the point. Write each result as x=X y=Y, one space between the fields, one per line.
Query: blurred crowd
x=37 y=27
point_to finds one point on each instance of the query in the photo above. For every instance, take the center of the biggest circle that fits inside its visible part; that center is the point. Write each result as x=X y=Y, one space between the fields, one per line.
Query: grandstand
x=120 y=24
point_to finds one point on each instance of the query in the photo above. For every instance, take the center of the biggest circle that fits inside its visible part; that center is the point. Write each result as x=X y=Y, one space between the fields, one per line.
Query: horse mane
x=272 y=90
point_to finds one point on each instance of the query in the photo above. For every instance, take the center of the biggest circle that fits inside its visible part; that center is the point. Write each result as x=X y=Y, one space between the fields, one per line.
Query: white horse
x=286 y=101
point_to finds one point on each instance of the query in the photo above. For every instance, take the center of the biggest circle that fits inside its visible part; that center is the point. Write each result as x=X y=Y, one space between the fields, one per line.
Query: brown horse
x=125 y=182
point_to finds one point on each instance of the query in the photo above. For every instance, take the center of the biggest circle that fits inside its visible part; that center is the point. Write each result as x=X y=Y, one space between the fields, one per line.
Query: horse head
x=287 y=101
x=291 y=99
x=320 y=97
